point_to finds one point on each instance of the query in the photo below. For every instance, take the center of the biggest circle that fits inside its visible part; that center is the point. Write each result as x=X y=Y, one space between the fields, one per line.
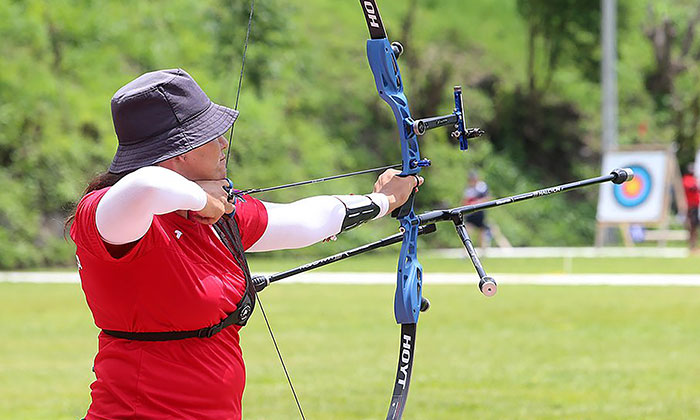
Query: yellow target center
x=633 y=187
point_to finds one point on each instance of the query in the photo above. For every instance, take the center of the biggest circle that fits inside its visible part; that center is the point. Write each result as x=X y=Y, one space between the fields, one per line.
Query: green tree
x=674 y=77
x=560 y=32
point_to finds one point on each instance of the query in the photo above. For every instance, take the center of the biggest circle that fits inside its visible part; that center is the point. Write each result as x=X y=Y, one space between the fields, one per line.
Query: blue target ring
x=636 y=191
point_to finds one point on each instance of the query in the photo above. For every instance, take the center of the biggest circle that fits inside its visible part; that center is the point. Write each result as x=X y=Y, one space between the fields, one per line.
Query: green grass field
x=531 y=352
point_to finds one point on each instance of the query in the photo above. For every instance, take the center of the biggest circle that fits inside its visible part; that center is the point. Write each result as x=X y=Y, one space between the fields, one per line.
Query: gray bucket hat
x=163 y=114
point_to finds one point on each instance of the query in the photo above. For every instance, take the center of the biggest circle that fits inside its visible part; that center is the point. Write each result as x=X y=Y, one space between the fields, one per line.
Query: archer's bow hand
x=397 y=188
x=217 y=202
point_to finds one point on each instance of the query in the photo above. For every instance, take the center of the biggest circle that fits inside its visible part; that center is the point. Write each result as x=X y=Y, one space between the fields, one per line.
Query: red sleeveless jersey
x=179 y=276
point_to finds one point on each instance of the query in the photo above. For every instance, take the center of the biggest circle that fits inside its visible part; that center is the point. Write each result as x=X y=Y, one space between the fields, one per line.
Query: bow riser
x=387 y=78
x=389 y=84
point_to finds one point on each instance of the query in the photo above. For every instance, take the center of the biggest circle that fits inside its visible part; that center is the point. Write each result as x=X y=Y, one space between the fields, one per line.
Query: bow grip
x=405 y=208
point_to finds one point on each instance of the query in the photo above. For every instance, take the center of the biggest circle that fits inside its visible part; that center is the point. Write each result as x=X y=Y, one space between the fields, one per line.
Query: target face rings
x=636 y=191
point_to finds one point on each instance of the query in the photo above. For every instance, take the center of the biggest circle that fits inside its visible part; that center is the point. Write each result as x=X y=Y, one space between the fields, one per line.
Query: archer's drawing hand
x=396 y=188
x=217 y=203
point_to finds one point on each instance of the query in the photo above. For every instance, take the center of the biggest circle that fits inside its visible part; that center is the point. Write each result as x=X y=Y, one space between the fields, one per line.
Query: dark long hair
x=102 y=180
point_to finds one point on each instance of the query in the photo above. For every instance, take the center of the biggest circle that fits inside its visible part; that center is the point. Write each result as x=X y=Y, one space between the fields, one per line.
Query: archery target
x=640 y=200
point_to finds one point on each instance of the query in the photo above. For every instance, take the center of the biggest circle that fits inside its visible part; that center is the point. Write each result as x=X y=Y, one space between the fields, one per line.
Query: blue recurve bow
x=408 y=302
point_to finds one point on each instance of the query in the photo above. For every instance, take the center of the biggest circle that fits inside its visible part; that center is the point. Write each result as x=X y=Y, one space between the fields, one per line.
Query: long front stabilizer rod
x=617 y=176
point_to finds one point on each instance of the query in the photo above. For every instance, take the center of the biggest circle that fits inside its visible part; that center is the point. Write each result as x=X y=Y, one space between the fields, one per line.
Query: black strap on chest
x=230 y=235
x=228 y=232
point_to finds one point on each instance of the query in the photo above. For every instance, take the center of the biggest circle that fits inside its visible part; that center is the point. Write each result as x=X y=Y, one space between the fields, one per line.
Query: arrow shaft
x=317 y=180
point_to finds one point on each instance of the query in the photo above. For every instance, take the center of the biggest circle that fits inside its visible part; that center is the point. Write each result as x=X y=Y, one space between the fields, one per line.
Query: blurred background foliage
x=309 y=107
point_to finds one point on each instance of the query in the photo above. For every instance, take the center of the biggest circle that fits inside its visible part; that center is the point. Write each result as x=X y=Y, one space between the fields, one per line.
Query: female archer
x=160 y=249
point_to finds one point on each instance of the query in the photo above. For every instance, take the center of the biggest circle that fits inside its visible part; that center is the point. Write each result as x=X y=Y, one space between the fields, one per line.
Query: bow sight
x=461 y=132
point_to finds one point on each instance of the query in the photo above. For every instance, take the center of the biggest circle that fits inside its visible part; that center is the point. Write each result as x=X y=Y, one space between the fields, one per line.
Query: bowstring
x=240 y=77
x=228 y=151
x=284 y=367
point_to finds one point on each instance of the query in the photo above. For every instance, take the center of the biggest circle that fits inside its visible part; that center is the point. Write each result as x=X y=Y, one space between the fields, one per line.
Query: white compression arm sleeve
x=126 y=211
x=305 y=222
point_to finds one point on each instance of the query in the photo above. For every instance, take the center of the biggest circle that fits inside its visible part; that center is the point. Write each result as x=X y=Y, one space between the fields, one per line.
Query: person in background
x=477 y=192
x=692 y=197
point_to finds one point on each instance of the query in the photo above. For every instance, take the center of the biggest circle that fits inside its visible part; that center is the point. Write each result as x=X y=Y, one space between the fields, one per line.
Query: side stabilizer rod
x=487 y=285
